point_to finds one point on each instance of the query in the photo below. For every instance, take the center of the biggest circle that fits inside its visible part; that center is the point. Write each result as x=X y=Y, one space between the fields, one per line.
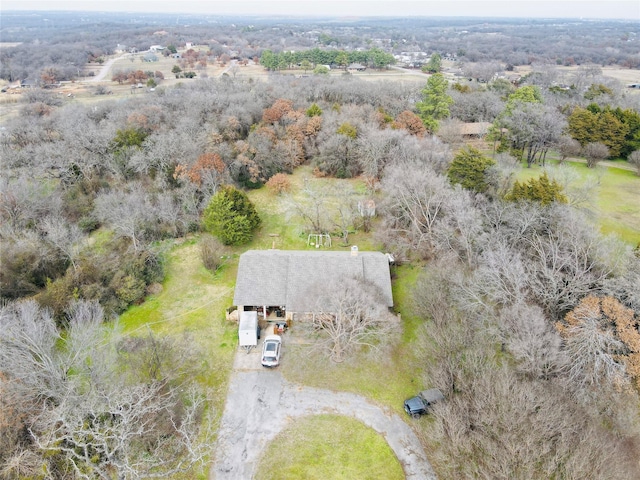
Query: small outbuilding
x=248 y=329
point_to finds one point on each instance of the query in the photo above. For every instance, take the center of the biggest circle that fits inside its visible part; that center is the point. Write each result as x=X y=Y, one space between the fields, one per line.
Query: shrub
x=128 y=289
x=541 y=190
x=595 y=152
x=279 y=183
x=211 y=252
x=57 y=295
x=314 y=110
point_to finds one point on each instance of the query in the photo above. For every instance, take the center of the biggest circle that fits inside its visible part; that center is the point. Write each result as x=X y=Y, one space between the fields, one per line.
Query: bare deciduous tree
x=311 y=207
x=603 y=341
x=580 y=194
x=125 y=212
x=532 y=341
x=84 y=414
x=416 y=200
x=500 y=279
x=592 y=346
x=502 y=427
x=595 y=152
x=461 y=231
x=502 y=174
x=374 y=146
x=634 y=159
x=450 y=132
x=565 y=257
x=350 y=315
x=64 y=236
x=568 y=147
x=344 y=211
x=24 y=201
x=534 y=128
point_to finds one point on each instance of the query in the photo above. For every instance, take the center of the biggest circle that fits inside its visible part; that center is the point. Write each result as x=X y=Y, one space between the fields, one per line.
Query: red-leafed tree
x=410 y=122
x=209 y=169
x=278 y=110
x=603 y=341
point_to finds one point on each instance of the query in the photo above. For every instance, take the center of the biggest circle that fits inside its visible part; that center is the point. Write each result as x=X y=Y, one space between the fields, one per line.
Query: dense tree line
x=374 y=58
x=527 y=361
x=145 y=171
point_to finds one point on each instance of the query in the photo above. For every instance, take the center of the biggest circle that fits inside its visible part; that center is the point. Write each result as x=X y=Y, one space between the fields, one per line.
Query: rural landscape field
x=495 y=162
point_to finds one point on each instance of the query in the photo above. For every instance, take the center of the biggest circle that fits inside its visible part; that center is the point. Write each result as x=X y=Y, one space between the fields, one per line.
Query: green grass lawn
x=286 y=231
x=192 y=306
x=616 y=198
x=339 y=448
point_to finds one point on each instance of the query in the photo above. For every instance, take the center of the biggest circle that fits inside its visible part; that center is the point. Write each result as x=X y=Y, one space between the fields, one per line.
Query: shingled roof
x=285 y=277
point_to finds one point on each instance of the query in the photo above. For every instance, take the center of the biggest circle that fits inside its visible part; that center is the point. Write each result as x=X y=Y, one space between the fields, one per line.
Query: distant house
x=156 y=48
x=356 y=67
x=285 y=280
x=28 y=83
x=475 y=129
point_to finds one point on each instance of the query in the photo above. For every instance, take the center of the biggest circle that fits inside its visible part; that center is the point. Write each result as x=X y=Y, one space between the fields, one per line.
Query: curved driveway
x=260 y=403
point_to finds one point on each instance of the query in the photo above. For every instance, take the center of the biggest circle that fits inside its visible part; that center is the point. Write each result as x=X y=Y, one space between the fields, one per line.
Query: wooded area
x=530 y=316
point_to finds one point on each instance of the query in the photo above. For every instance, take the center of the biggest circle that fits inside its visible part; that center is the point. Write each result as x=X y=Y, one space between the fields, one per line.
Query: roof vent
x=354 y=251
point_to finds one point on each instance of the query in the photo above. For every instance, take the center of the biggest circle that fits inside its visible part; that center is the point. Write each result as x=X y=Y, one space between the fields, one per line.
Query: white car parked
x=271 y=350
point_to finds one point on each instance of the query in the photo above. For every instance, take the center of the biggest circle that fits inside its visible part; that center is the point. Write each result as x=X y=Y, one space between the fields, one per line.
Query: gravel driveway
x=260 y=403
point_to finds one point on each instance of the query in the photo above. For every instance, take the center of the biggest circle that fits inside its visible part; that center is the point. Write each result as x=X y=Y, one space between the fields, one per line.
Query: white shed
x=248 y=329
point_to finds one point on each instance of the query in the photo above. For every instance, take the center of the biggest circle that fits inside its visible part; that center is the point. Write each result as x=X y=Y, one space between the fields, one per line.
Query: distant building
x=475 y=129
x=356 y=67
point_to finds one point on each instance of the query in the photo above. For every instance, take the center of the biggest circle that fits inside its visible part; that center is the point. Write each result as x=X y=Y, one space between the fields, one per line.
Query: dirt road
x=104 y=69
x=261 y=403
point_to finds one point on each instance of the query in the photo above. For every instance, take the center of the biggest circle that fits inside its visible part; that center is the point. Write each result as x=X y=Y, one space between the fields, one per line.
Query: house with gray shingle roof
x=285 y=280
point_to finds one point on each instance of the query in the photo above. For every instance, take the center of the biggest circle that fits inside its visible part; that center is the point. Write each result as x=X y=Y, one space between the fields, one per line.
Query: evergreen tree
x=434 y=65
x=541 y=190
x=435 y=102
x=594 y=125
x=231 y=216
x=313 y=111
x=469 y=169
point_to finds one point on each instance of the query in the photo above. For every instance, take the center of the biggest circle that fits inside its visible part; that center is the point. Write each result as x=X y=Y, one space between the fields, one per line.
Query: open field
x=624 y=75
x=614 y=200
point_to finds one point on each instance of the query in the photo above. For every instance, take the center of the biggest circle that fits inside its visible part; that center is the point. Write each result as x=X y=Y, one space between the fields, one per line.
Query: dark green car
x=419 y=405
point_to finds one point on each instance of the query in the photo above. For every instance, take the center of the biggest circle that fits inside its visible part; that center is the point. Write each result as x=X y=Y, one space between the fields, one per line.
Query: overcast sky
x=623 y=9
